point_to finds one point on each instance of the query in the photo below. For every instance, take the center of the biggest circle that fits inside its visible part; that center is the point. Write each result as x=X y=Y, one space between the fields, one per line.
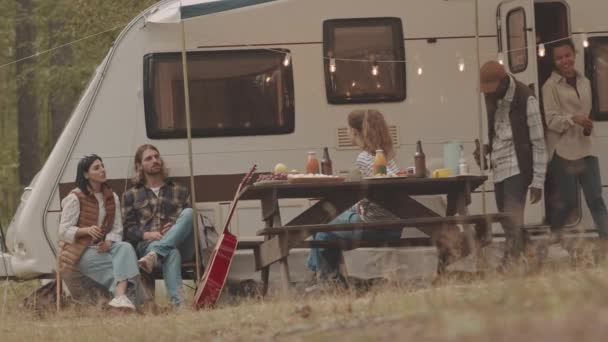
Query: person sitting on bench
x=370 y=132
x=90 y=233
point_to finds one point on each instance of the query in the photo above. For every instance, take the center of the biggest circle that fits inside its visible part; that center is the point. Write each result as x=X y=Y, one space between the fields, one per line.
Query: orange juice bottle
x=312 y=164
x=380 y=164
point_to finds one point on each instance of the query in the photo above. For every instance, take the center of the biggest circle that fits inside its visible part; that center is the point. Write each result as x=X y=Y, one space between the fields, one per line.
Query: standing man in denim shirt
x=158 y=221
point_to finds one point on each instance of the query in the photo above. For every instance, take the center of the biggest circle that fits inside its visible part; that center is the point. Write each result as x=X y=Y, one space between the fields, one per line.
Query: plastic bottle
x=312 y=164
x=326 y=165
x=420 y=160
x=463 y=167
x=380 y=164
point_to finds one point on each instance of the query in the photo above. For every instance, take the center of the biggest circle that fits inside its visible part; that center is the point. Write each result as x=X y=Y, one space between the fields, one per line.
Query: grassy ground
x=561 y=305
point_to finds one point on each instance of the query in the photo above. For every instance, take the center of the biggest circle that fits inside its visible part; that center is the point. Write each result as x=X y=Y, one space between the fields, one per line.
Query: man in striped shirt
x=517 y=148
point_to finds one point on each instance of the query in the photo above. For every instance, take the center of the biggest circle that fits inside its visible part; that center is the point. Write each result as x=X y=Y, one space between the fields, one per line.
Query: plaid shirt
x=143 y=211
x=504 y=158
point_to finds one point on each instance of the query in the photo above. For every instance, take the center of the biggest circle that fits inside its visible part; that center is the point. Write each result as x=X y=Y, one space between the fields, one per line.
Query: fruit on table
x=281 y=168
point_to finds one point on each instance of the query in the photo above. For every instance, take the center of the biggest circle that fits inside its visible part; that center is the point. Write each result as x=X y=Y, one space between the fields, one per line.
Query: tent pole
x=189 y=133
x=479 y=110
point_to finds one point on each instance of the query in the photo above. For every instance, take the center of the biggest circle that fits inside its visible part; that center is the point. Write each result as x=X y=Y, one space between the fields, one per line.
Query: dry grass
x=560 y=305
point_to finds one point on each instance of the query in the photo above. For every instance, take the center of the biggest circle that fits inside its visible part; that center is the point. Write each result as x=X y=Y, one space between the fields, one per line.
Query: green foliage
x=62 y=69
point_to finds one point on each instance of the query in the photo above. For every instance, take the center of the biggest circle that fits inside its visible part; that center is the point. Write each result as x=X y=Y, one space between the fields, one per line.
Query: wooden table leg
x=272 y=218
x=265 y=274
x=458 y=203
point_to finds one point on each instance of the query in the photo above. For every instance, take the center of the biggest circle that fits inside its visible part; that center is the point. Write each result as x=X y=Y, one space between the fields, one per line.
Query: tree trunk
x=27 y=104
x=62 y=96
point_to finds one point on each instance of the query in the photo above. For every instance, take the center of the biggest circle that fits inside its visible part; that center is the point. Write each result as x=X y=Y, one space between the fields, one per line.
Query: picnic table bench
x=394 y=194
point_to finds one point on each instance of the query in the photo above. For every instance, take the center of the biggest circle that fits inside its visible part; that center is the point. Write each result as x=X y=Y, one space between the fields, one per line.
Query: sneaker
x=122 y=302
x=147 y=262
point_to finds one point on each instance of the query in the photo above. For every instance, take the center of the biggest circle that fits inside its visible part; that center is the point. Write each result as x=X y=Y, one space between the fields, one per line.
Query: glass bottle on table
x=326 y=165
x=312 y=164
x=380 y=163
x=420 y=161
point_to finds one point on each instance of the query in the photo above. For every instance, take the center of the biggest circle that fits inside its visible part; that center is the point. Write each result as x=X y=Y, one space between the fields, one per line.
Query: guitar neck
x=237 y=195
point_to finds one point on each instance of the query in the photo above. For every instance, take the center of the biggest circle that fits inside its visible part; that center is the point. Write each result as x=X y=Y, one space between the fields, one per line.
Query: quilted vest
x=518 y=117
x=89 y=213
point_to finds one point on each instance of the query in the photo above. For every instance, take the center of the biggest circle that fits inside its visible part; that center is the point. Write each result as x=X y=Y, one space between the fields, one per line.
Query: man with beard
x=158 y=221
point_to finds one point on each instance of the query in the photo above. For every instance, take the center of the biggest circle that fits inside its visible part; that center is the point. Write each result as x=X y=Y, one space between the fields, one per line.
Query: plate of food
x=271 y=178
x=398 y=175
x=313 y=178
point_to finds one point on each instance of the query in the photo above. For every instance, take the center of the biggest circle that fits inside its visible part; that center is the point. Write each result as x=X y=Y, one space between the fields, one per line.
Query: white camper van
x=271 y=80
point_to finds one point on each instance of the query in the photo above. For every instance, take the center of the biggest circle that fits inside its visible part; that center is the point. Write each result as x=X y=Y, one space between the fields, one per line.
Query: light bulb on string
x=585 y=41
x=287 y=59
x=375 y=69
x=332 y=65
x=461 y=64
x=419 y=70
x=501 y=58
x=541 y=50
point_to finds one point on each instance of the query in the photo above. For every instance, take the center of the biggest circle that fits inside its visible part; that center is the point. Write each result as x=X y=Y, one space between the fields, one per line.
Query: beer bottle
x=482 y=154
x=312 y=164
x=326 y=167
x=420 y=160
x=380 y=164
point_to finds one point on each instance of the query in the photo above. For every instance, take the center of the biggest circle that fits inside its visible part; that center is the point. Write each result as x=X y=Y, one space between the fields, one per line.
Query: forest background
x=49 y=49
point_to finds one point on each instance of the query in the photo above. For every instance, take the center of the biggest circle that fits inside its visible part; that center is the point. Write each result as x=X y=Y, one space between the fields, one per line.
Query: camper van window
x=517 y=40
x=232 y=93
x=364 y=60
x=596 y=67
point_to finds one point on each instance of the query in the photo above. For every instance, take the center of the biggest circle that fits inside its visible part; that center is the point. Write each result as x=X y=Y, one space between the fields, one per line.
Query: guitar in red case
x=213 y=280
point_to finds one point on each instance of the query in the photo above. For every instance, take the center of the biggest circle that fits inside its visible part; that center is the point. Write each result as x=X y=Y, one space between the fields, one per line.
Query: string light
x=419 y=70
x=375 y=69
x=332 y=59
x=541 y=50
x=461 y=64
x=268 y=79
x=332 y=65
x=287 y=59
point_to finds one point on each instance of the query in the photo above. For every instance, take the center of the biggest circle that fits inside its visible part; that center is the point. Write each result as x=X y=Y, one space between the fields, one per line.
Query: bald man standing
x=516 y=148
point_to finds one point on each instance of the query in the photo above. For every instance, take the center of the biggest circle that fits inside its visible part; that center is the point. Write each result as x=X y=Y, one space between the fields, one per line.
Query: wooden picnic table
x=334 y=198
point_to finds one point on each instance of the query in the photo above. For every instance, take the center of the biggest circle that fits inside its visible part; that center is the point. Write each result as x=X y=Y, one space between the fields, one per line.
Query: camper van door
x=517 y=40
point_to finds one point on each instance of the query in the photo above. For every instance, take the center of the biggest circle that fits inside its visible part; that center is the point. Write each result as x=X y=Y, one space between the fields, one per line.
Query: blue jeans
x=325 y=261
x=176 y=245
x=570 y=173
x=117 y=264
